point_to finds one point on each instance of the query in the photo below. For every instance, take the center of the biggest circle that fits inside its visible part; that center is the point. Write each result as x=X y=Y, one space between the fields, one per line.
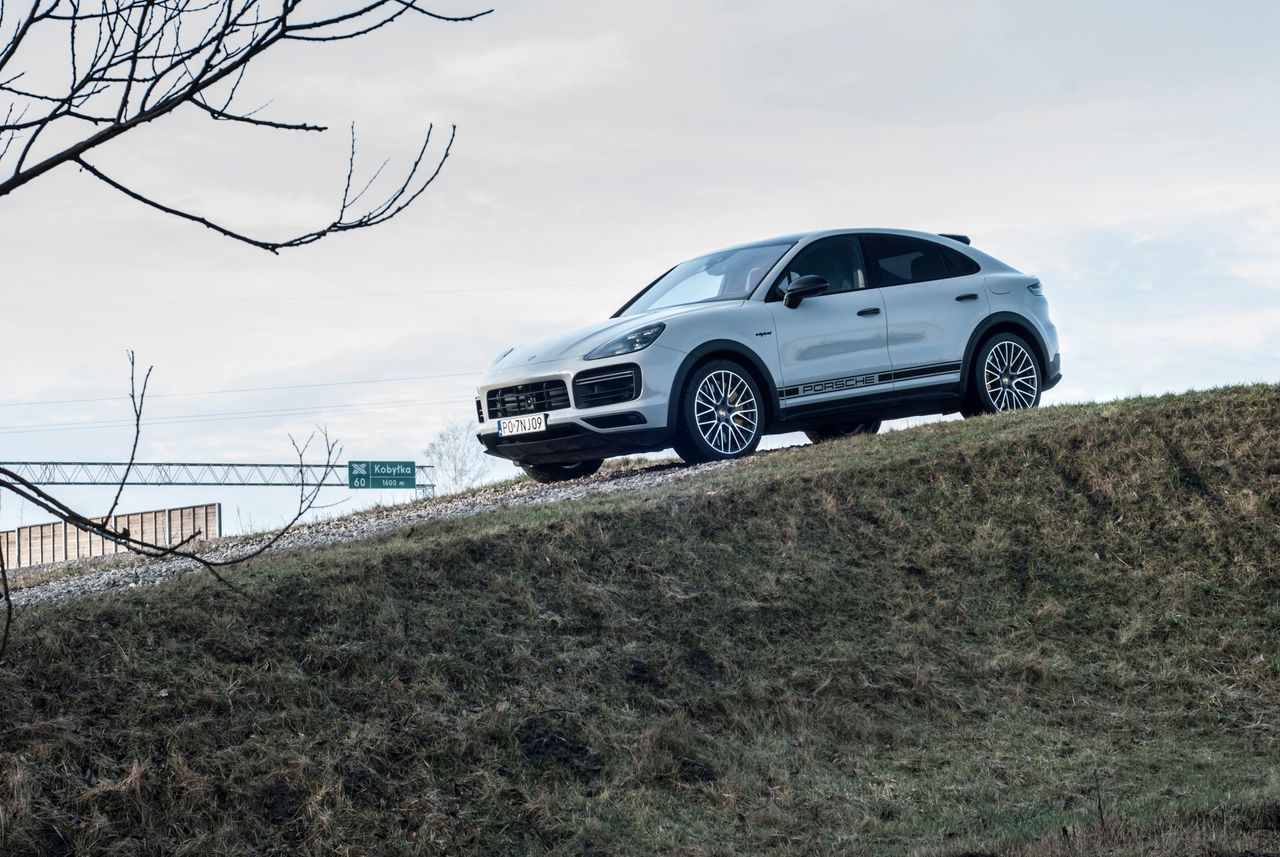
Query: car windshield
x=729 y=275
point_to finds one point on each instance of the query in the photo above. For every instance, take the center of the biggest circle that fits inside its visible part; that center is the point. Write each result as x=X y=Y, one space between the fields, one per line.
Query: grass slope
x=966 y=636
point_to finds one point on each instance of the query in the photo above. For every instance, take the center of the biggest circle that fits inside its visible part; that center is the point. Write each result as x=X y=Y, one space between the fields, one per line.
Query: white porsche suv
x=828 y=333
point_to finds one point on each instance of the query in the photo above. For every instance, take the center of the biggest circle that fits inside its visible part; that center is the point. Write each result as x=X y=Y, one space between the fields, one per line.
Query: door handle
x=875 y=310
x=968 y=297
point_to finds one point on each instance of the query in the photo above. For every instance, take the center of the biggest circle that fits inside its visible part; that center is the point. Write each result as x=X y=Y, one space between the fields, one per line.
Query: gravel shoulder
x=113 y=573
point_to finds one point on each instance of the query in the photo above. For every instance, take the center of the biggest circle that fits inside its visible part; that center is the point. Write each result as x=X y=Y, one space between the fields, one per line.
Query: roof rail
x=963 y=239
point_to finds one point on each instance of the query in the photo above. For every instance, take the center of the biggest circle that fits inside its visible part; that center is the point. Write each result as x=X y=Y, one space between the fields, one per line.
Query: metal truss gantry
x=190 y=473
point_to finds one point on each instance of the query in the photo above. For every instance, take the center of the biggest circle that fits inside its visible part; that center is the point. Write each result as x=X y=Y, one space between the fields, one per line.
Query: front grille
x=479 y=410
x=532 y=398
x=609 y=385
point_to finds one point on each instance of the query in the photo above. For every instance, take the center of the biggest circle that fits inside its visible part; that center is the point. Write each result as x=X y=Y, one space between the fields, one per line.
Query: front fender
x=733 y=350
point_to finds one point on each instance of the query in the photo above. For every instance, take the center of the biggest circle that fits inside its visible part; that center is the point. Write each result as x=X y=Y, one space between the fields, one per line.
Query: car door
x=933 y=298
x=832 y=346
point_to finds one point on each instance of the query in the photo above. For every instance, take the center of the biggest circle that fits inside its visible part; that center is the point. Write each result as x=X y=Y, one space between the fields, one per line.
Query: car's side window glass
x=837 y=260
x=961 y=265
x=896 y=260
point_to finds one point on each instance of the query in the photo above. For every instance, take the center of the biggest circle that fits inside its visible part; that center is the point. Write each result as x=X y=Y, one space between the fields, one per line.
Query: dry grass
x=960 y=638
x=1255 y=836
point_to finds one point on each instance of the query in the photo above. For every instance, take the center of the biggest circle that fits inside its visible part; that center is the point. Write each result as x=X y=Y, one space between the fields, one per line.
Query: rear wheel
x=547 y=473
x=824 y=433
x=721 y=414
x=1005 y=377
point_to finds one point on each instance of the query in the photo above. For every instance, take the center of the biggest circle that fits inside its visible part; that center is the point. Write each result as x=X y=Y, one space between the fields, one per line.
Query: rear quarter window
x=961 y=265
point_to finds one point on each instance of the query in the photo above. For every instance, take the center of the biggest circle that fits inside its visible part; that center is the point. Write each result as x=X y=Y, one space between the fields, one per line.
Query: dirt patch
x=919 y=576
x=1268 y=818
x=640 y=673
x=550 y=743
x=695 y=770
x=703 y=665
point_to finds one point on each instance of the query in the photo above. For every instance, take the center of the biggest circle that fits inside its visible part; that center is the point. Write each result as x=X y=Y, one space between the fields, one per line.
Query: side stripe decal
x=858 y=382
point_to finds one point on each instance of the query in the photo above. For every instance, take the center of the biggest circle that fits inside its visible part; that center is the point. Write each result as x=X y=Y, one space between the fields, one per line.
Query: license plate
x=522 y=425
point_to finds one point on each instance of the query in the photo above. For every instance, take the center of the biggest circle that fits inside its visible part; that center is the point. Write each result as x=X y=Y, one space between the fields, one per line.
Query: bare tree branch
x=376 y=5
x=457 y=460
x=250 y=119
x=136 y=399
x=400 y=199
x=149 y=58
x=8 y=603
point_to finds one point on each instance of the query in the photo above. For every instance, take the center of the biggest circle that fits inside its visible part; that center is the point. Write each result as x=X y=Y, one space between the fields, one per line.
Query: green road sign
x=381 y=474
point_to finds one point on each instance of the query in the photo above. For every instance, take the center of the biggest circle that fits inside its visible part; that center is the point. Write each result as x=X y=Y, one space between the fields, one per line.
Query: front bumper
x=577 y=433
x=568 y=443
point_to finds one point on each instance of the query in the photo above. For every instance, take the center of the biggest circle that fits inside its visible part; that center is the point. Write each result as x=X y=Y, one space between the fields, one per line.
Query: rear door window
x=895 y=260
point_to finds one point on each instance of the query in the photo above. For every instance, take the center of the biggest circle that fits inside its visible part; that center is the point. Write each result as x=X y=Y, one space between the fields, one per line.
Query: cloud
x=537 y=69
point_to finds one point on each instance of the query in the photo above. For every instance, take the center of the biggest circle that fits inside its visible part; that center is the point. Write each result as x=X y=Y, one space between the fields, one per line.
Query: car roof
x=880 y=230
x=806 y=237
x=802 y=239
x=799 y=240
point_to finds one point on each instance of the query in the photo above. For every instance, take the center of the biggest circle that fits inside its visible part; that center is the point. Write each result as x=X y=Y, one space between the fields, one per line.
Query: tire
x=1006 y=376
x=548 y=473
x=825 y=433
x=721 y=414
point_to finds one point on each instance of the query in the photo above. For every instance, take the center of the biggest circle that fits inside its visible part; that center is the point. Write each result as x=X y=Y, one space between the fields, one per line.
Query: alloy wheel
x=726 y=412
x=1010 y=376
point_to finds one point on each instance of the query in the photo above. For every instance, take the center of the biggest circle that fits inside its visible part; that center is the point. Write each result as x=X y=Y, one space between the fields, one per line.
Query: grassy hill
x=1055 y=632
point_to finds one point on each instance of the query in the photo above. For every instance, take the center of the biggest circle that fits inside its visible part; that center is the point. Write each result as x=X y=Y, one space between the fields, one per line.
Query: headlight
x=1036 y=289
x=501 y=357
x=637 y=340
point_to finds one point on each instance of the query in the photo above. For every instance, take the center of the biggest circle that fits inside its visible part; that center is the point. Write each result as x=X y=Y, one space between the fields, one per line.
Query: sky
x=1125 y=153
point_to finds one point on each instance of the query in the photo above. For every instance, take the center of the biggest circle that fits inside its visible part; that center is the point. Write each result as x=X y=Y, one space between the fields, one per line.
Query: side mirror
x=805 y=287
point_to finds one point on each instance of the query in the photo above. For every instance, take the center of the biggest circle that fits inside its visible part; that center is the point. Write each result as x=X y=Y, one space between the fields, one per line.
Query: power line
x=242 y=390
x=295 y=298
x=224 y=416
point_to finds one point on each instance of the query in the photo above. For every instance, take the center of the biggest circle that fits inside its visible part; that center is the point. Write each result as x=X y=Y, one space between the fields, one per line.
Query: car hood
x=579 y=342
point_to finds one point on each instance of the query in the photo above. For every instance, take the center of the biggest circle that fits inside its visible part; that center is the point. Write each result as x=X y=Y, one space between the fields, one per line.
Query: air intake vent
x=607 y=385
x=533 y=398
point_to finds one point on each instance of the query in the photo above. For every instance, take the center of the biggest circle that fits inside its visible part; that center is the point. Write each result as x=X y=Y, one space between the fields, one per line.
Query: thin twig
x=135 y=399
x=1097 y=788
x=8 y=601
x=397 y=201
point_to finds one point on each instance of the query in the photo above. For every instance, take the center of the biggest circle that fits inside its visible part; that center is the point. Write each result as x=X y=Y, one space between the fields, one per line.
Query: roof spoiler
x=963 y=239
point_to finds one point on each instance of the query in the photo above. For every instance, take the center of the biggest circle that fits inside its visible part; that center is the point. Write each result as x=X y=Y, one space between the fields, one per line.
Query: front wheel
x=547 y=473
x=825 y=433
x=1006 y=377
x=721 y=414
